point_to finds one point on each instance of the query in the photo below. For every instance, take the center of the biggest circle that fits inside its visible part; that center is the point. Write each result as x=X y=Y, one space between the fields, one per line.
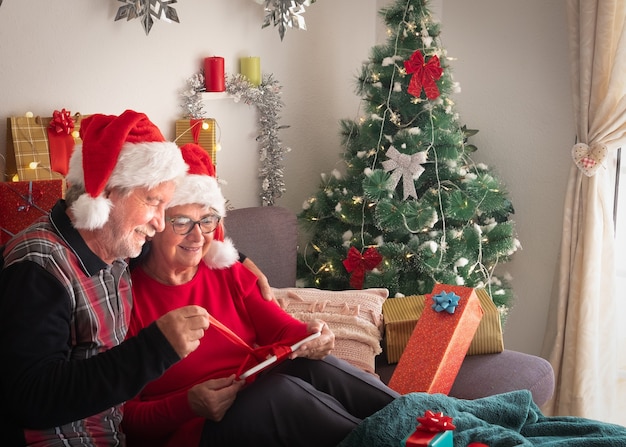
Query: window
x=620 y=263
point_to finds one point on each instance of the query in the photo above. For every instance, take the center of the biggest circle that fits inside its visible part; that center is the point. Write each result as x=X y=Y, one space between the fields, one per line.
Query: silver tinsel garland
x=266 y=98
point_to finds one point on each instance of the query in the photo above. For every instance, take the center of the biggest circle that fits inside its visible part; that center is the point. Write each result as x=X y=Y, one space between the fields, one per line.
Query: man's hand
x=184 y=327
x=211 y=399
x=262 y=282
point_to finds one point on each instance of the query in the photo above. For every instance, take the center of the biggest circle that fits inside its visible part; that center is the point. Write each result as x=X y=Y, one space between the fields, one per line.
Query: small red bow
x=434 y=422
x=357 y=264
x=425 y=75
x=260 y=354
x=62 y=122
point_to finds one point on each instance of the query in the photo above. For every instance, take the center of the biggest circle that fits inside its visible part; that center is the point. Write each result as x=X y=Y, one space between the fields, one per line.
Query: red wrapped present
x=434 y=430
x=438 y=344
x=24 y=202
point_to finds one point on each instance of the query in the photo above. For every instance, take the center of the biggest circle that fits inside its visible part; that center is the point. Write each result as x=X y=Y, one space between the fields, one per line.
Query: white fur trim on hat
x=221 y=254
x=147 y=165
x=200 y=189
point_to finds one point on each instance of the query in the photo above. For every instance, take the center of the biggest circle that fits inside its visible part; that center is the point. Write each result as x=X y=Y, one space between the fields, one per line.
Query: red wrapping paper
x=60 y=141
x=22 y=203
x=438 y=344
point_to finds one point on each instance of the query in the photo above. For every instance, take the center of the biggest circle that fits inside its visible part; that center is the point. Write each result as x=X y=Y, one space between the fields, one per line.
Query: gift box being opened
x=401 y=314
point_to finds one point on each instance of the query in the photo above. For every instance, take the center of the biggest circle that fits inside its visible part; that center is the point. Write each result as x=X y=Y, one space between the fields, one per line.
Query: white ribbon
x=407 y=167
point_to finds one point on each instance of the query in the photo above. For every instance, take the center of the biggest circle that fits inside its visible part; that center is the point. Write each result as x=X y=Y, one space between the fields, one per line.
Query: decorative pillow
x=355 y=317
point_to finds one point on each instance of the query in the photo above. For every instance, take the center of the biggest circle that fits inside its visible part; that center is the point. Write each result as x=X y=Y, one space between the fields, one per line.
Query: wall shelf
x=211 y=96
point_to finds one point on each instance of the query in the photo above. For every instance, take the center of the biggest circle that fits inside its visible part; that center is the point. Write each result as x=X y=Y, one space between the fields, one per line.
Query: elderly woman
x=310 y=399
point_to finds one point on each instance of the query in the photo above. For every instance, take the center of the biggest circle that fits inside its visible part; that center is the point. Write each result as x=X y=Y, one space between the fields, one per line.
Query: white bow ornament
x=407 y=167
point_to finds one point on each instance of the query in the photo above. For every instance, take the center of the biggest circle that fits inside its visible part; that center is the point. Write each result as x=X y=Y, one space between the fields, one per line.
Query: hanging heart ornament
x=589 y=158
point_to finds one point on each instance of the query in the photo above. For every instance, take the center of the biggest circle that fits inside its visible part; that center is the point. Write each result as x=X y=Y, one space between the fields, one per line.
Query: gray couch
x=269 y=236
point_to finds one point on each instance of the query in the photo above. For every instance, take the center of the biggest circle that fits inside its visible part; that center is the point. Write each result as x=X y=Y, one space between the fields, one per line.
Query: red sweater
x=156 y=416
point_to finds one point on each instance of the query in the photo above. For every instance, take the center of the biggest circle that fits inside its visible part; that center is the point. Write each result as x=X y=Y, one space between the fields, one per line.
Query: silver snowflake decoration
x=285 y=14
x=147 y=11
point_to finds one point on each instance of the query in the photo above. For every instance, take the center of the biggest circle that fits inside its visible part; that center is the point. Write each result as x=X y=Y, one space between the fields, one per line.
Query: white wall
x=72 y=54
x=513 y=68
x=511 y=63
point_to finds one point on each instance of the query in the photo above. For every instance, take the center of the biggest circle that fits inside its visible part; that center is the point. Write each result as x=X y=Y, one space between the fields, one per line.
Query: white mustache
x=148 y=232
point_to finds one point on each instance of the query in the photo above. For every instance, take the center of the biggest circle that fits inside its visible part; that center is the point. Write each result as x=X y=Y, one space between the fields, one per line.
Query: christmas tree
x=411 y=207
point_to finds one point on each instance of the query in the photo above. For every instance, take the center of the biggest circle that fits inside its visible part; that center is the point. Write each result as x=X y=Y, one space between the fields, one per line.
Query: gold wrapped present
x=401 y=314
x=28 y=148
x=200 y=131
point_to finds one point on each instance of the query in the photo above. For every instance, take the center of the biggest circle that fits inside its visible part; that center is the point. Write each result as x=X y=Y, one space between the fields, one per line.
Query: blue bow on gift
x=445 y=301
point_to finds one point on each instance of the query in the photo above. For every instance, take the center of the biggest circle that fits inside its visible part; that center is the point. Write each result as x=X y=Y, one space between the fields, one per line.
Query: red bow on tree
x=357 y=264
x=434 y=422
x=424 y=75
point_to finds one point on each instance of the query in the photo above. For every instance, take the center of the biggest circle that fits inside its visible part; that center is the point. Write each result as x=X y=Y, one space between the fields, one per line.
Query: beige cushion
x=354 y=316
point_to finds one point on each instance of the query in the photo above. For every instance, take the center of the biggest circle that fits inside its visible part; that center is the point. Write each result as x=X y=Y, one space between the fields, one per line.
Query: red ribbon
x=61 y=141
x=195 y=125
x=357 y=264
x=262 y=353
x=434 y=422
x=424 y=75
x=255 y=355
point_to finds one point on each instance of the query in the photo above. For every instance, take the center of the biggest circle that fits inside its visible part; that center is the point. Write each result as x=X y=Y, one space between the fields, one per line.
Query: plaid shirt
x=61 y=306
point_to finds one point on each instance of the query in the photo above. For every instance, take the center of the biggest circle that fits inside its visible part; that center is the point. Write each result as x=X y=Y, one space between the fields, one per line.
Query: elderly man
x=65 y=293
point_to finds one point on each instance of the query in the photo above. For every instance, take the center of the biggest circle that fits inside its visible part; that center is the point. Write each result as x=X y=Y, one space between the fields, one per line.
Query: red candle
x=214 y=80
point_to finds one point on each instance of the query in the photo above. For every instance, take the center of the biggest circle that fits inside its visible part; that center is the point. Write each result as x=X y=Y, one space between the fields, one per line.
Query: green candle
x=250 y=67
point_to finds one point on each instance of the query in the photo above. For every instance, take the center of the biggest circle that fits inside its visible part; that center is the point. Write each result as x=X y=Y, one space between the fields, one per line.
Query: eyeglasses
x=183 y=225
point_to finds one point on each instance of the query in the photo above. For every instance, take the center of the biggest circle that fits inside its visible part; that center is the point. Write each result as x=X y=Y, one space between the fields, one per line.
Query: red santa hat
x=125 y=151
x=199 y=186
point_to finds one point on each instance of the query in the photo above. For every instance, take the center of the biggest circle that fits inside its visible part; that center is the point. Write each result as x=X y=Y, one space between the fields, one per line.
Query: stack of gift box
x=37 y=157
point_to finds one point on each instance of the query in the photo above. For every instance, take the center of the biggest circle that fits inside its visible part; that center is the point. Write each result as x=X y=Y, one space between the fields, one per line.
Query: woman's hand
x=319 y=347
x=212 y=398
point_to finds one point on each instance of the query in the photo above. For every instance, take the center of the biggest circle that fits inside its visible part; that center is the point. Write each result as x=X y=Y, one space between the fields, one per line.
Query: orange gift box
x=22 y=203
x=438 y=344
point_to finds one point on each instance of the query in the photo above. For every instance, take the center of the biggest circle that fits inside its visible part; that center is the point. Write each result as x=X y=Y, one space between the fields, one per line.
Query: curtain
x=580 y=340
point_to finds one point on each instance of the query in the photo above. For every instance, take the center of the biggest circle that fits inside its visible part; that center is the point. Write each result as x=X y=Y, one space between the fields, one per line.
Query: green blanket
x=504 y=420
